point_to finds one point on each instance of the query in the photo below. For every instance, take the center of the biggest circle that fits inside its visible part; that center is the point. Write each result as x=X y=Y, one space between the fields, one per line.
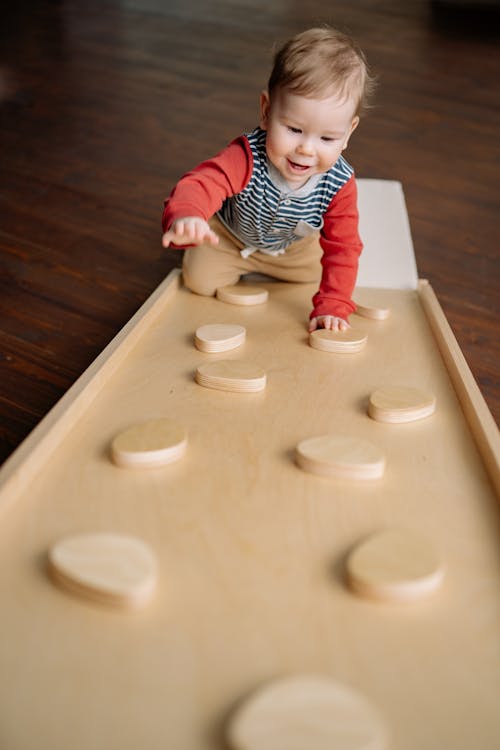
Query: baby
x=282 y=200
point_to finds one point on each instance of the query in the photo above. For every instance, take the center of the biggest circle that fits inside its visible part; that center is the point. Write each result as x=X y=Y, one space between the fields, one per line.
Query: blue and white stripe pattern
x=266 y=218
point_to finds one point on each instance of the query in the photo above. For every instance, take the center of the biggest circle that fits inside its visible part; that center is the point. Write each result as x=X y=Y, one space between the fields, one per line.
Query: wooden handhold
x=108 y=568
x=368 y=305
x=235 y=375
x=242 y=294
x=219 y=337
x=307 y=713
x=400 y=404
x=149 y=444
x=340 y=456
x=394 y=565
x=340 y=342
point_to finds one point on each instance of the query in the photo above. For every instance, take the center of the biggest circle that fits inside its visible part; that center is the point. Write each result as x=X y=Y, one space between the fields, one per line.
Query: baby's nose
x=306 y=146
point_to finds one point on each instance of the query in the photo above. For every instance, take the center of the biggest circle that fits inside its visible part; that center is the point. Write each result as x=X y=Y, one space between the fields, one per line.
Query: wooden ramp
x=251 y=550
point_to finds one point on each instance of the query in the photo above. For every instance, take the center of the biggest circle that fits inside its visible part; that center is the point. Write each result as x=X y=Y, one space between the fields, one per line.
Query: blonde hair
x=321 y=62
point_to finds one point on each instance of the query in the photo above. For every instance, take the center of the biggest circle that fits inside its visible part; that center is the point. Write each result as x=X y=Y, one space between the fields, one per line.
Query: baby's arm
x=331 y=322
x=341 y=245
x=200 y=194
x=189 y=230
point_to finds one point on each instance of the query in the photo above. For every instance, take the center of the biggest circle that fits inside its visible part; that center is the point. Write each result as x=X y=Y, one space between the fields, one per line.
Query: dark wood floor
x=105 y=104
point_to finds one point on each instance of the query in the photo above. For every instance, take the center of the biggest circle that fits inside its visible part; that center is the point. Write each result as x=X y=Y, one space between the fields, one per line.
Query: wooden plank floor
x=105 y=104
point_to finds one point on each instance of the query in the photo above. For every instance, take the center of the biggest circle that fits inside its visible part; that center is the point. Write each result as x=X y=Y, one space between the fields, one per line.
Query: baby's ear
x=354 y=125
x=265 y=106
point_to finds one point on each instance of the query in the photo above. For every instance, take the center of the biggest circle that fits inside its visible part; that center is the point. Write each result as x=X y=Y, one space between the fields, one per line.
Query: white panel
x=388 y=259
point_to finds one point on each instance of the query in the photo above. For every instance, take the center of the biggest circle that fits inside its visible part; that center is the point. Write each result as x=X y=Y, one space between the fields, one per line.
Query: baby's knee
x=195 y=277
x=203 y=272
x=198 y=286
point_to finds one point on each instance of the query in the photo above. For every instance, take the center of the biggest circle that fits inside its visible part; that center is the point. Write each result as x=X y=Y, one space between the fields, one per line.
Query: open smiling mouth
x=298 y=167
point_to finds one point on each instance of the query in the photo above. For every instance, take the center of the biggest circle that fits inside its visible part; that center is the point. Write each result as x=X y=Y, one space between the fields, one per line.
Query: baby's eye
x=294 y=130
x=327 y=139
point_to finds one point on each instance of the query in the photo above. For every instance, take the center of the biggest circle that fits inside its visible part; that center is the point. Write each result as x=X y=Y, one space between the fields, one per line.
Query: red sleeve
x=341 y=246
x=202 y=191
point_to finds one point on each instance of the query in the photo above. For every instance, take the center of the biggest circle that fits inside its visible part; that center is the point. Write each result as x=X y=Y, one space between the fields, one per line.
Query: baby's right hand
x=190 y=230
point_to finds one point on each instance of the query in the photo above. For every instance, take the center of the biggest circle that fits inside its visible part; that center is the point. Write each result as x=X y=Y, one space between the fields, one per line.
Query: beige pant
x=207 y=267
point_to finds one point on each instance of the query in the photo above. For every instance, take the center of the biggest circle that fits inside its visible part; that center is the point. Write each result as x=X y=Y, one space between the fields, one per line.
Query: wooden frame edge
x=477 y=414
x=24 y=463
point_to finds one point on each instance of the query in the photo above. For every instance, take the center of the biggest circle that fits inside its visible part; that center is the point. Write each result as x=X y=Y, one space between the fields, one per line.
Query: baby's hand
x=190 y=230
x=328 y=321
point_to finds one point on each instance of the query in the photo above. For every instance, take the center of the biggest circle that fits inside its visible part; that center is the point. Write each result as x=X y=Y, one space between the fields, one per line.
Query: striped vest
x=265 y=218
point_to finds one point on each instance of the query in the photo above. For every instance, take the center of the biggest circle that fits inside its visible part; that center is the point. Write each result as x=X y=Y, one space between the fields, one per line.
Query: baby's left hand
x=328 y=321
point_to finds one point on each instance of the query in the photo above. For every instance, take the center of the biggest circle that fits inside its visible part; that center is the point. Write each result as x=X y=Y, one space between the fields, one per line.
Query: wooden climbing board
x=250 y=549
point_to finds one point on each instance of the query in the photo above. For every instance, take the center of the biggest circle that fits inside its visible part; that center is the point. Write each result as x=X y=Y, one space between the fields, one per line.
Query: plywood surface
x=250 y=549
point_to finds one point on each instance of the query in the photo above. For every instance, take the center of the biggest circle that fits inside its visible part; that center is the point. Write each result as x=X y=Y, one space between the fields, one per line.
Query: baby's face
x=305 y=136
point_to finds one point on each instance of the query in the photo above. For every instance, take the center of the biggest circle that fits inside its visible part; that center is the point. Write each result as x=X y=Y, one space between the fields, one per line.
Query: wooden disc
x=109 y=568
x=400 y=404
x=148 y=444
x=340 y=456
x=394 y=565
x=307 y=713
x=219 y=337
x=342 y=342
x=231 y=375
x=242 y=294
x=368 y=304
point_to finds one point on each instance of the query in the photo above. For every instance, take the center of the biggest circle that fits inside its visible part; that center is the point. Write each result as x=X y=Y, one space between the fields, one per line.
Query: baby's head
x=319 y=84
x=322 y=62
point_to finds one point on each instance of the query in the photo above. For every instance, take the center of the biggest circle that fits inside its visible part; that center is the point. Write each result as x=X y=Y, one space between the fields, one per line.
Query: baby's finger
x=189 y=230
x=212 y=238
x=174 y=236
x=202 y=233
x=166 y=239
x=175 y=228
x=171 y=238
x=205 y=234
x=313 y=324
